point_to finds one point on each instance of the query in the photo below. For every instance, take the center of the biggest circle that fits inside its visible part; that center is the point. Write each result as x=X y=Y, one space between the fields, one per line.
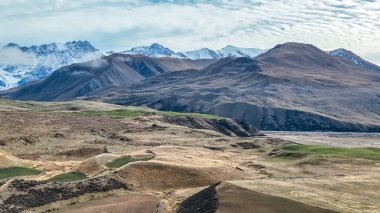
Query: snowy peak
x=203 y=53
x=80 y=46
x=20 y=65
x=154 y=50
x=228 y=51
x=352 y=58
x=74 y=48
x=232 y=51
x=347 y=55
x=11 y=45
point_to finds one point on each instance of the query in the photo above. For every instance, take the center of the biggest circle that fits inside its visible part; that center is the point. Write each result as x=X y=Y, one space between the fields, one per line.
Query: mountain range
x=116 y=70
x=157 y=50
x=21 y=65
x=292 y=86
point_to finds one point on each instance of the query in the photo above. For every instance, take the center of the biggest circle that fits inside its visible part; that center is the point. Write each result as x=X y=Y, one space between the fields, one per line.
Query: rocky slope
x=225 y=126
x=354 y=59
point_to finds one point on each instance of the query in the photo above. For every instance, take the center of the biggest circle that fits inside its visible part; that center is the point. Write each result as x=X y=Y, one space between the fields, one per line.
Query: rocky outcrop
x=26 y=194
x=226 y=126
x=203 y=201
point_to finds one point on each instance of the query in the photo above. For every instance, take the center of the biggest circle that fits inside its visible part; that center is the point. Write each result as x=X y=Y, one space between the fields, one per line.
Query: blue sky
x=189 y=24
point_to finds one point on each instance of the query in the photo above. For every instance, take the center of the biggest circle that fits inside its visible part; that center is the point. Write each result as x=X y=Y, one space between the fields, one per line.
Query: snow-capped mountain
x=232 y=51
x=203 y=53
x=353 y=58
x=20 y=65
x=154 y=50
x=157 y=50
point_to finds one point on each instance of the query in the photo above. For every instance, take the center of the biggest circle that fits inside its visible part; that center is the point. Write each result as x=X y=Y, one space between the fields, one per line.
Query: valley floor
x=340 y=139
x=95 y=157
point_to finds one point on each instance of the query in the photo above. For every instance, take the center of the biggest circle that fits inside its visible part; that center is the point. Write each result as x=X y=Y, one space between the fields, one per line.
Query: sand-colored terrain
x=133 y=203
x=350 y=139
x=145 y=164
x=7 y=160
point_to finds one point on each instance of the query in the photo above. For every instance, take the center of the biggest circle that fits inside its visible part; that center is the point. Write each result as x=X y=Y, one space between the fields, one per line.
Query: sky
x=188 y=24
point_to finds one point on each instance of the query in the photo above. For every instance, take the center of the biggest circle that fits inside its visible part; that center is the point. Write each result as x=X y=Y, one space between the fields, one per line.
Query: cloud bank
x=13 y=57
x=188 y=24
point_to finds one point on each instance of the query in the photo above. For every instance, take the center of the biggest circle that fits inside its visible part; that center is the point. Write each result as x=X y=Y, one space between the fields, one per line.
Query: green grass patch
x=134 y=113
x=18 y=171
x=68 y=177
x=300 y=151
x=119 y=162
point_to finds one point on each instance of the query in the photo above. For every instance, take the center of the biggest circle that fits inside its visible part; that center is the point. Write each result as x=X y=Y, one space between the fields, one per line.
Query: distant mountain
x=203 y=53
x=291 y=87
x=232 y=51
x=354 y=59
x=154 y=50
x=116 y=70
x=157 y=50
x=20 y=65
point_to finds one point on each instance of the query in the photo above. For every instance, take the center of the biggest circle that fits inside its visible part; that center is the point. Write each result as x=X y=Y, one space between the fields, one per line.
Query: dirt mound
x=203 y=201
x=227 y=198
x=8 y=160
x=182 y=167
x=94 y=165
x=225 y=126
x=156 y=175
x=131 y=203
x=232 y=198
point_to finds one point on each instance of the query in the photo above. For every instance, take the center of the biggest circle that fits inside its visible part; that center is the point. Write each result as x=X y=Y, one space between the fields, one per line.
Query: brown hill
x=291 y=87
x=117 y=70
x=227 y=197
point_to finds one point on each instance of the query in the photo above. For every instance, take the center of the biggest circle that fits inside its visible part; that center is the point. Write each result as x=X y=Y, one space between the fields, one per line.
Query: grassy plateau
x=297 y=151
x=17 y=171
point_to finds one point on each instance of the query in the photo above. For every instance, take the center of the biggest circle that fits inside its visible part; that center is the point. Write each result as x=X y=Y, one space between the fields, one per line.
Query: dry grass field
x=95 y=157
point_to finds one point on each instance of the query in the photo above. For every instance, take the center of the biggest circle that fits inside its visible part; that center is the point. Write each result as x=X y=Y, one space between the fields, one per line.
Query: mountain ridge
x=291 y=87
x=158 y=50
x=116 y=70
x=353 y=58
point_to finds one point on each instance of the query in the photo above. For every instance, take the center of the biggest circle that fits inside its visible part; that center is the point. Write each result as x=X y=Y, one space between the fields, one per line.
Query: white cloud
x=118 y=25
x=14 y=56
